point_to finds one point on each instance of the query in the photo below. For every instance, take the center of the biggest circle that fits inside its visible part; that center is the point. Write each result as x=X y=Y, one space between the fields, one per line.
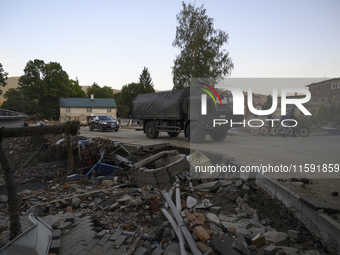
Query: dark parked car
x=103 y=122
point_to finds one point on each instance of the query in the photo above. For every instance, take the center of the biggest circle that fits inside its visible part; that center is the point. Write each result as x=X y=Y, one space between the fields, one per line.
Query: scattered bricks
x=100 y=234
x=115 y=235
x=294 y=234
x=141 y=251
x=203 y=247
x=119 y=241
x=212 y=218
x=270 y=250
x=215 y=209
x=258 y=240
x=69 y=209
x=70 y=217
x=202 y=233
x=157 y=251
x=56 y=234
x=210 y=232
x=195 y=223
x=237 y=246
x=191 y=216
x=65 y=226
x=55 y=246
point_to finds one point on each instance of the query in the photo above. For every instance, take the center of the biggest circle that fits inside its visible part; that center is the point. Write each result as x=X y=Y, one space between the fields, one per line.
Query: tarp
x=159 y=105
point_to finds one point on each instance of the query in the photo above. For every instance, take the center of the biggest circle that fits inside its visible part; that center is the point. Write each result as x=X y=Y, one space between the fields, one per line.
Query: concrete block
x=157 y=251
x=276 y=237
x=70 y=217
x=237 y=246
x=119 y=241
x=294 y=234
x=100 y=234
x=55 y=246
x=140 y=251
x=115 y=235
x=56 y=234
x=270 y=250
x=215 y=209
x=65 y=226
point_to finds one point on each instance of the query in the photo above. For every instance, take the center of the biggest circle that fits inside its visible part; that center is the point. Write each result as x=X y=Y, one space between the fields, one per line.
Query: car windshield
x=105 y=118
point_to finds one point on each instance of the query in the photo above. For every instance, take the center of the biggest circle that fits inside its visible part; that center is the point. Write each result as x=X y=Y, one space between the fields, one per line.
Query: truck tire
x=173 y=134
x=150 y=130
x=186 y=106
x=195 y=133
x=218 y=136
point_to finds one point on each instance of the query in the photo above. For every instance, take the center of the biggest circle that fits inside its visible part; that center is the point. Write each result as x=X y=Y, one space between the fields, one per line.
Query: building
x=81 y=109
x=325 y=91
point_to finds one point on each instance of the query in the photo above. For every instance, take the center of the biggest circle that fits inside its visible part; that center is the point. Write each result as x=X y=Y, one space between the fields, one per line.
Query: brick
x=115 y=235
x=65 y=226
x=258 y=240
x=77 y=250
x=100 y=234
x=106 y=247
x=231 y=229
x=69 y=209
x=55 y=246
x=191 y=216
x=120 y=250
x=202 y=234
x=119 y=241
x=203 y=247
x=195 y=223
x=56 y=234
x=91 y=244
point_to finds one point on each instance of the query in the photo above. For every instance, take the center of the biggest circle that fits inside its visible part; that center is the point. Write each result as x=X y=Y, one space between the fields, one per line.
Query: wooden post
x=13 y=207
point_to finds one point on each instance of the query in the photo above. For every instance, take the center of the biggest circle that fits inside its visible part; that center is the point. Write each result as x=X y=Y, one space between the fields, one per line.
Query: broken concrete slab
x=276 y=237
x=212 y=218
x=317 y=204
x=209 y=185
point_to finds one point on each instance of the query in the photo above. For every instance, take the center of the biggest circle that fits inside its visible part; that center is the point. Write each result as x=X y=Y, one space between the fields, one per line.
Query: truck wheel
x=218 y=136
x=173 y=134
x=186 y=105
x=150 y=130
x=90 y=127
x=195 y=133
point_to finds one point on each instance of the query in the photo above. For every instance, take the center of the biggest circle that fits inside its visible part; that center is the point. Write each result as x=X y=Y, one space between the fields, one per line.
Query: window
x=109 y=109
x=336 y=99
x=315 y=100
x=333 y=85
x=88 y=109
x=67 y=109
x=322 y=99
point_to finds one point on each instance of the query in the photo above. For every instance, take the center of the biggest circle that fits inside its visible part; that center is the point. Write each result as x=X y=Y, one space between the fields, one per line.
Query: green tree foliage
x=268 y=103
x=145 y=81
x=45 y=83
x=99 y=92
x=201 y=55
x=3 y=78
x=76 y=90
x=125 y=98
x=17 y=101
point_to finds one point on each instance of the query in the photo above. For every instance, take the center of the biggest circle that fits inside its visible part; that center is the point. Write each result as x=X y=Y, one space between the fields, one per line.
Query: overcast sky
x=109 y=42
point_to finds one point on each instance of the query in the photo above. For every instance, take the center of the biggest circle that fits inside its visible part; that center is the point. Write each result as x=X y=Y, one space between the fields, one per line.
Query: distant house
x=325 y=91
x=81 y=109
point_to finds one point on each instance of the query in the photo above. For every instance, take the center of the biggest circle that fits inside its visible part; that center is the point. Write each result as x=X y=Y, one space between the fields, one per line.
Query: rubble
x=240 y=219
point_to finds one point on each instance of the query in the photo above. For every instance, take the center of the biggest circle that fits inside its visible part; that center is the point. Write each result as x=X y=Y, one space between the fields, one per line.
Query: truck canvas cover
x=167 y=104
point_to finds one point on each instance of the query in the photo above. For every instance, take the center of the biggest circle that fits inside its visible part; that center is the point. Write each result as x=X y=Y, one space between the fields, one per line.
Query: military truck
x=180 y=110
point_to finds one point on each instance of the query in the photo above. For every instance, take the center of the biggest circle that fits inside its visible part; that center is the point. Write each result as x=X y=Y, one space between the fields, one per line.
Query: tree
x=45 y=83
x=145 y=82
x=76 y=90
x=268 y=104
x=3 y=78
x=99 y=92
x=125 y=98
x=201 y=55
x=17 y=101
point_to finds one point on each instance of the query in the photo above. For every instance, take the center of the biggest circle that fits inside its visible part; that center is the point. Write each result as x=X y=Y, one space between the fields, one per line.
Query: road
x=246 y=150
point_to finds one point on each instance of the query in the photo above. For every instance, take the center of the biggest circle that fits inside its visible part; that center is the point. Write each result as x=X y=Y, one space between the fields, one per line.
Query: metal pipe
x=171 y=220
x=179 y=207
x=185 y=231
x=171 y=192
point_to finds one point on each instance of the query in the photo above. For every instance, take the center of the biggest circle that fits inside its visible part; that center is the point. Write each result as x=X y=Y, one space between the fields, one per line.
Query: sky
x=110 y=42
